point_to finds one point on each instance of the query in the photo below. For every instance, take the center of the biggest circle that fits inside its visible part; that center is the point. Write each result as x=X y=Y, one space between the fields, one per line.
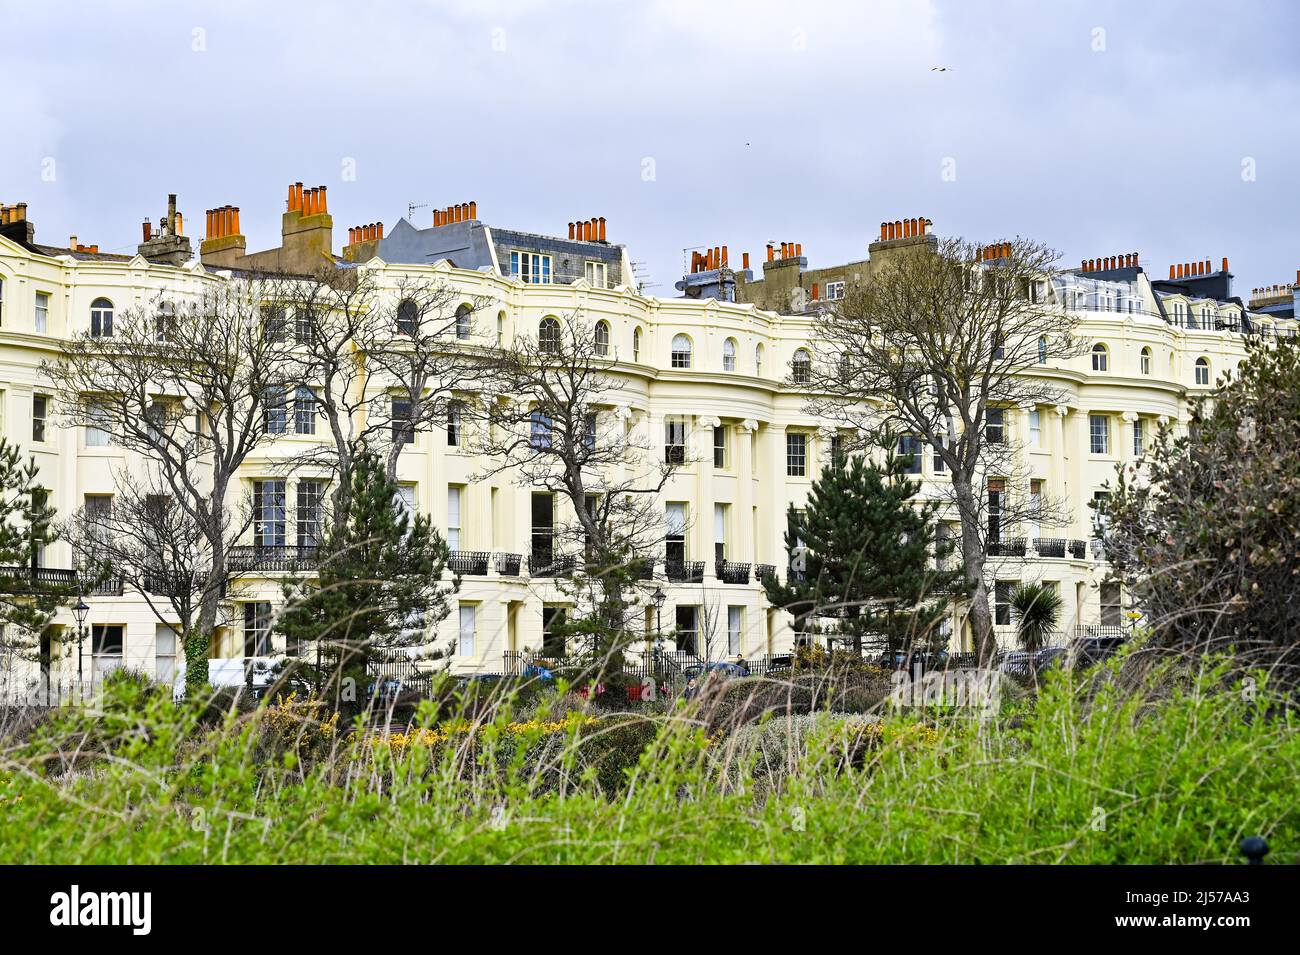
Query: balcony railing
x=684 y=571
x=764 y=571
x=508 y=564
x=1008 y=547
x=552 y=565
x=1078 y=549
x=1050 y=546
x=641 y=568
x=731 y=572
x=471 y=562
x=40 y=575
x=283 y=557
x=107 y=588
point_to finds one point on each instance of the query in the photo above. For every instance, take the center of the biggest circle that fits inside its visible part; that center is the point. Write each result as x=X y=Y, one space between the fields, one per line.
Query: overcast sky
x=1101 y=128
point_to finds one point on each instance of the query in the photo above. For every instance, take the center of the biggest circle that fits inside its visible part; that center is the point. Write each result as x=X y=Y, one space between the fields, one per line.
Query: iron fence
x=732 y=572
x=277 y=557
x=469 y=562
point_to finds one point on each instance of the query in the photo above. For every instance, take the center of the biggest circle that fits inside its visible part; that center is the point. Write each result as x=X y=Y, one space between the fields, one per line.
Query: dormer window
x=531 y=267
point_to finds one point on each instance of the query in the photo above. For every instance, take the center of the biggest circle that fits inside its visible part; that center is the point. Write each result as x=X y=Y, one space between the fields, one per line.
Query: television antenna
x=411 y=207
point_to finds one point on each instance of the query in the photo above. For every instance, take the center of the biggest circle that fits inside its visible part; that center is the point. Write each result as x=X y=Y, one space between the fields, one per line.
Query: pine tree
x=27 y=603
x=864 y=552
x=378 y=584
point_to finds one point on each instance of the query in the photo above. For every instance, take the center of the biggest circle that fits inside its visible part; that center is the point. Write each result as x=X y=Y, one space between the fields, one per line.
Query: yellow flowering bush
x=401 y=742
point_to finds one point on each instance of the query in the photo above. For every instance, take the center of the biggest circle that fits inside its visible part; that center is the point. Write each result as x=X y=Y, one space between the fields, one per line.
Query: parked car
x=535 y=671
x=722 y=671
x=1022 y=662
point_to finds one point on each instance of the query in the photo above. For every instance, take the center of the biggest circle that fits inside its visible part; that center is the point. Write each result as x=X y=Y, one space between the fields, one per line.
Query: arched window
x=408 y=317
x=501 y=329
x=1042 y=349
x=548 y=335
x=729 y=355
x=681 y=351
x=1202 y=371
x=636 y=344
x=1145 y=361
x=1100 y=357
x=602 y=338
x=463 y=322
x=758 y=358
x=801 y=367
x=101 y=318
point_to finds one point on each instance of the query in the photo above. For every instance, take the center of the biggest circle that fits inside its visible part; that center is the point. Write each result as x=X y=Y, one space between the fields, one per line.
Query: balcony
x=1050 y=546
x=469 y=562
x=731 y=572
x=551 y=565
x=107 y=588
x=278 y=557
x=1078 y=550
x=38 y=575
x=684 y=571
x=1007 y=547
x=764 y=572
x=641 y=568
x=508 y=564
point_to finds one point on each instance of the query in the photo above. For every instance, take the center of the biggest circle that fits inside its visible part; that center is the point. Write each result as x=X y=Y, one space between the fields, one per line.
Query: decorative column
x=702 y=449
x=1129 y=418
x=742 y=463
x=773 y=491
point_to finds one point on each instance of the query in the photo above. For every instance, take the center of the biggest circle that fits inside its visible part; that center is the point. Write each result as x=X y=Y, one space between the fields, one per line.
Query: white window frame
x=41 y=314
x=834 y=291
x=455 y=508
x=597 y=274
x=466 y=629
x=532 y=268
x=678 y=357
x=1098 y=439
x=735 y=630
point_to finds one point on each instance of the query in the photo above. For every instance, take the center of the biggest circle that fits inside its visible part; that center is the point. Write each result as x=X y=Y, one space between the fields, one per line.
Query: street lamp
x=658 y=597
x=80 y=611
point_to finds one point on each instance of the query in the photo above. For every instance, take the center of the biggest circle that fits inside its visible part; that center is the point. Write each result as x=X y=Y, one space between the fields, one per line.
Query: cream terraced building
x=712 y=371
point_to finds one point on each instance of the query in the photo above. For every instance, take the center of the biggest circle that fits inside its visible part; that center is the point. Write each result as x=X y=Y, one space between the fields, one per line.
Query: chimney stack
x=744 y=259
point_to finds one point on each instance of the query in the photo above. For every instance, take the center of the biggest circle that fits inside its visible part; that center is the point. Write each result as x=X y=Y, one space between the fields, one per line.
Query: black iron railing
x=552 y=565
x=684 y=571
x=641 y=568
x=1050 y=546
x=732 y=572
x=107 y=588
x=471 y=562
x=284 y=557
x=508 y=564
x=1078 y=549
x=40 y=575
x=764 y=572
x=1007 y=547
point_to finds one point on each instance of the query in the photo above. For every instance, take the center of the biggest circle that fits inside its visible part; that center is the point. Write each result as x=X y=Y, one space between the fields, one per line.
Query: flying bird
x=938 y=69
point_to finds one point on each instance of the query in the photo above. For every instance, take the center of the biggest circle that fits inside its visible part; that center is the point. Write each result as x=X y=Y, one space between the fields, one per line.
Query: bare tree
x=938 y=345
x=145 y=539
x=190 y=387
x=373 y=365
x=418 y=347
x=553 y=418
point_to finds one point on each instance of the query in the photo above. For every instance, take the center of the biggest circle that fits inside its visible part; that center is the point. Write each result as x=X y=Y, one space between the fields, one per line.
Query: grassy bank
x=1076 y=774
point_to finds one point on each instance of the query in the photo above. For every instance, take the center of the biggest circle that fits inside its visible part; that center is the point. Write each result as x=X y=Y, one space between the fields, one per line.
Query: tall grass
x=1083 y=772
